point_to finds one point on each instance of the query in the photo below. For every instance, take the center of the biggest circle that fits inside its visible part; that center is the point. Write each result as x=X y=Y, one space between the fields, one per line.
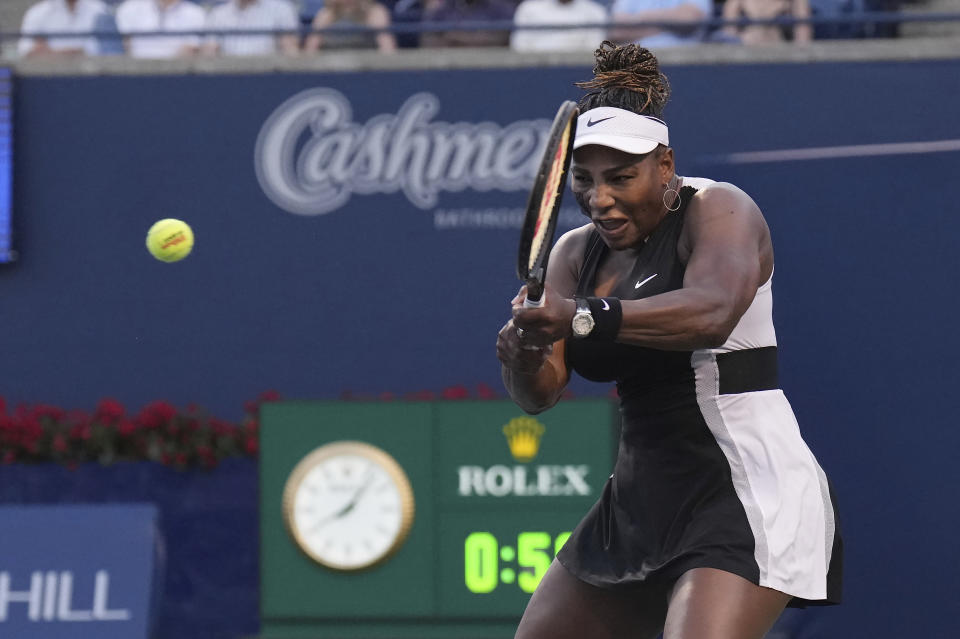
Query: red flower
x=156 y=414
x=149 y=421
x=80 y=431
x=43 y=411
x=60 y=444
x=456 y=392
x=158 y=432
x=269 y=396
x=485 y=392
x=126 y=428
x=220 y=427
x=165 y=411
x=109 y=410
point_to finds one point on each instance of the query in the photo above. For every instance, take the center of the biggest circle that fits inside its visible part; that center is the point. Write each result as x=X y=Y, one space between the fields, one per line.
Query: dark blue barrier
x=339 y=257
x=74 y=569
x=208 y=525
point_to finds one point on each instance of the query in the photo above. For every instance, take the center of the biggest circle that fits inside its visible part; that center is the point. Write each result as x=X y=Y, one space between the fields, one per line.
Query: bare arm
x=802 y=32
x=188 y=50
x=535 y=379
x=322 y=20
x=380 y=19
x=288 y=44
x=622 y=31
x=210 y=47
x=731 y=11
x=42 y=48
x=726 y=246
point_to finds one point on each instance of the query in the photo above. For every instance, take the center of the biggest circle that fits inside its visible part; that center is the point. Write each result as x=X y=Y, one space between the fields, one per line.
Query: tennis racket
x=543 y=207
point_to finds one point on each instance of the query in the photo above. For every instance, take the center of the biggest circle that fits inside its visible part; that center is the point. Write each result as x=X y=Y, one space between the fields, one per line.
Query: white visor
x=620 y=129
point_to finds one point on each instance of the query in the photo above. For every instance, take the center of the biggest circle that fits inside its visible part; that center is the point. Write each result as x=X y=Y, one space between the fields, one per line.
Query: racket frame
x=534 y=276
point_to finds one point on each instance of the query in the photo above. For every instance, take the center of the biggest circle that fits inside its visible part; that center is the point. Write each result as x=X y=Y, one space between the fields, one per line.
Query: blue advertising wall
x=356 y=234
x=72 y=569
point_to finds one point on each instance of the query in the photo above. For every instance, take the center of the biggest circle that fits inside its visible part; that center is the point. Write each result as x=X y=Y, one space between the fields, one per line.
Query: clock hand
x=356 y=496
x=349 y=506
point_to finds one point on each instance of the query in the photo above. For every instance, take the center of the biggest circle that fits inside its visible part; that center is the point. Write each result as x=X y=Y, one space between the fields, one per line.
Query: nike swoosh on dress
x=641 y=283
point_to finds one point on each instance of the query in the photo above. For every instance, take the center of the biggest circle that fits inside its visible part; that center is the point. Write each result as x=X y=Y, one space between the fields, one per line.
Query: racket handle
x=529 y=303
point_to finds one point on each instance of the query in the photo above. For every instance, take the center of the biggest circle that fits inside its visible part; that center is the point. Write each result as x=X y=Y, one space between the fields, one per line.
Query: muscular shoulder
x=718 y=199
x=719 y=207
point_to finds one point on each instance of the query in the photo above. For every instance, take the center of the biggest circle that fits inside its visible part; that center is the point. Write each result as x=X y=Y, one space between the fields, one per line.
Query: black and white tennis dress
x=711 y=469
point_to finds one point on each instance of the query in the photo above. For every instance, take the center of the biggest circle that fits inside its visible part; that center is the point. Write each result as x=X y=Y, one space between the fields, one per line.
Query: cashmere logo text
x=311 y=157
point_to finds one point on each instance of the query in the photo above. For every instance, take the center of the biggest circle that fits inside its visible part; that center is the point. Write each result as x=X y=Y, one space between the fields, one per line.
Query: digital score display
x=497 y=494
x=531 y=556
x=6 y=165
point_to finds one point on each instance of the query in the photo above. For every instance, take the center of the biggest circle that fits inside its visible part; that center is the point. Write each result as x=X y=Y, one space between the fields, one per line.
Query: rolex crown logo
x=523 y=437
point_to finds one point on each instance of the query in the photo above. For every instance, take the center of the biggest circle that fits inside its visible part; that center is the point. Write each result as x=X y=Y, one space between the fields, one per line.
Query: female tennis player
x=717 y=515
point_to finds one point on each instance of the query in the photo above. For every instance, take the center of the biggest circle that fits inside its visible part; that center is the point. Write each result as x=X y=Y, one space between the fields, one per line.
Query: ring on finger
x=520 y=332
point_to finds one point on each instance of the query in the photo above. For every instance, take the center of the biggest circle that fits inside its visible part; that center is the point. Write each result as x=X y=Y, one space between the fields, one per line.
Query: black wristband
x=607 y=316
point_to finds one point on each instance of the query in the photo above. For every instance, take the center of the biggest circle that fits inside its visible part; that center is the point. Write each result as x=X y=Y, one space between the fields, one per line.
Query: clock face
x=348 y=505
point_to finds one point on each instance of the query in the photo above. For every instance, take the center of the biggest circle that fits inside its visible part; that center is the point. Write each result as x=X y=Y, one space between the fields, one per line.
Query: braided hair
x=627 y=77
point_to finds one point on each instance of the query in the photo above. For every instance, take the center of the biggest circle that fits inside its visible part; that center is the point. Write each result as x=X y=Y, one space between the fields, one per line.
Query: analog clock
x=348 y=505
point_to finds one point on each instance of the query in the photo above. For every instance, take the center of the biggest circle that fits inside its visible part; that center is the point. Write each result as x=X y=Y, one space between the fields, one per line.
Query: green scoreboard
x=419 y=520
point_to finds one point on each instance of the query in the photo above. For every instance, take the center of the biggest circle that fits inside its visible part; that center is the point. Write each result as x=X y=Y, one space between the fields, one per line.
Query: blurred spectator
x=60 y=16
x=406 y=12
x=253 y=15
x=108 y=37
x=653 y=37
x=839 y=10
x=768 y=10
x=351 y=17
x=464 y=12
x=559 y=12
x=150 y=16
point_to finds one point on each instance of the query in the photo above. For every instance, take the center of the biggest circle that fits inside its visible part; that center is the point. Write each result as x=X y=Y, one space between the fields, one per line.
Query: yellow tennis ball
x=170 y=240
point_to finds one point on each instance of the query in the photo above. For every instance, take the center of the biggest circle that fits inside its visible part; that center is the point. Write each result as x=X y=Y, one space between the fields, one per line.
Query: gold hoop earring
x=675 y=198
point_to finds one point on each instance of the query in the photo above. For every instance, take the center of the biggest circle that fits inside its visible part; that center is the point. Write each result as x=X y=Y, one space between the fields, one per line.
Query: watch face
x=582 y=324
x=348 y=505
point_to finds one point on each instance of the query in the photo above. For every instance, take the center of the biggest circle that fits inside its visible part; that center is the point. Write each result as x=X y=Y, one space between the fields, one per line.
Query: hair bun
x=626 y=76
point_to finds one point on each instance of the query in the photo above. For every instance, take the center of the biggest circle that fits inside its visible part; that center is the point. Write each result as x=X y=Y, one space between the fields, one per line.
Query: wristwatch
x=583 y=321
